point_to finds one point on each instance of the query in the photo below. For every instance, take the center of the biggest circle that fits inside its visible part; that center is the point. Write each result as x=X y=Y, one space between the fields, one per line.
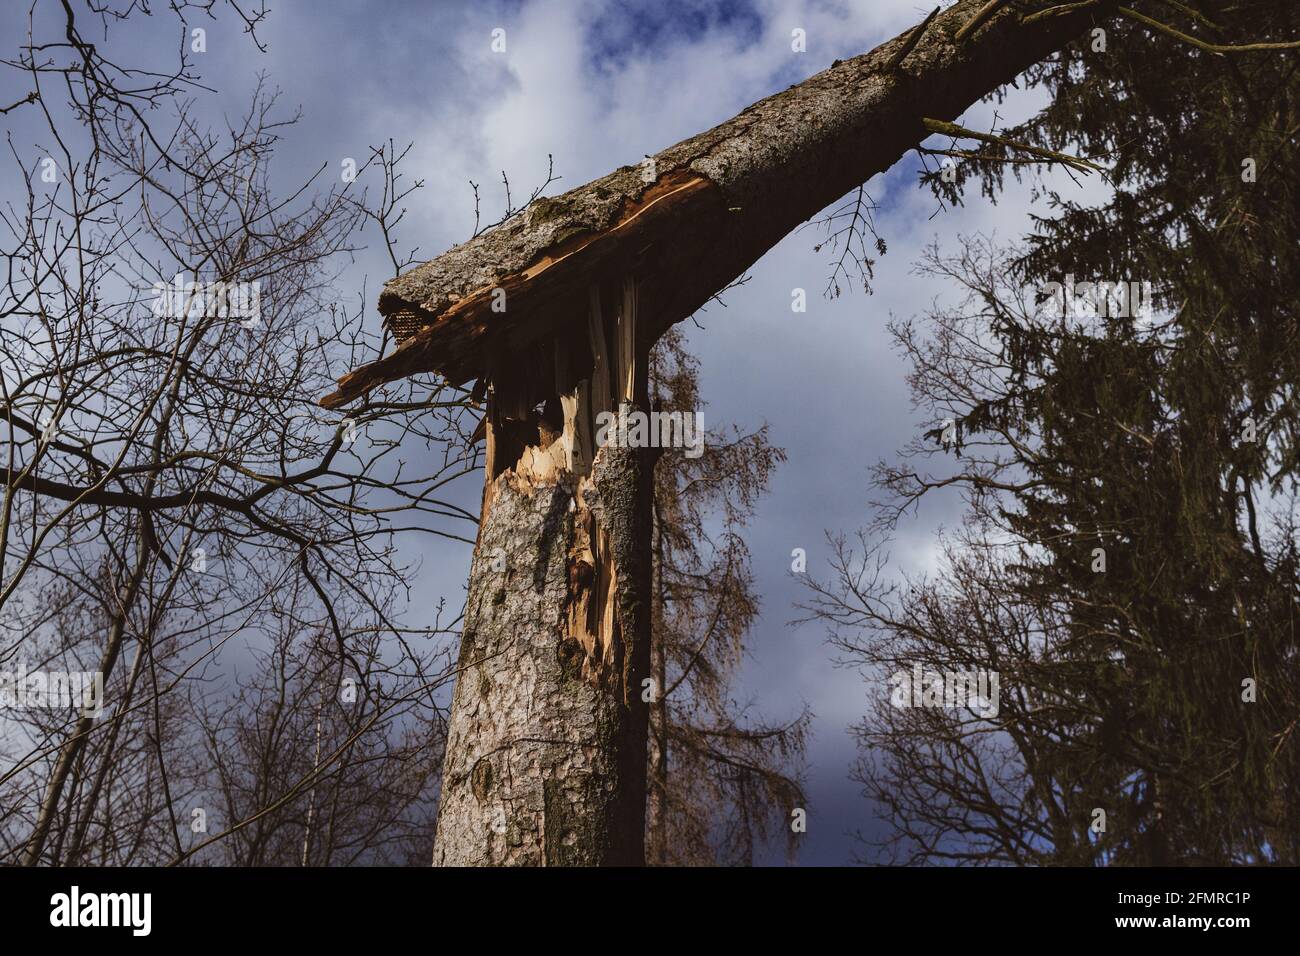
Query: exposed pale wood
x=492 y=434
x=565 y=390
x=490 y=464
x=575 y=454
x=627 y=341
x=547 y=730
x=568 y=435
x=601 y=389
x=541 y=464
x=593 y=610
x=546 y=750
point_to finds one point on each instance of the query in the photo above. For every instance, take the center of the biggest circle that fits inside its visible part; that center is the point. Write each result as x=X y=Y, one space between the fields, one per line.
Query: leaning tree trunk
x=547 y=745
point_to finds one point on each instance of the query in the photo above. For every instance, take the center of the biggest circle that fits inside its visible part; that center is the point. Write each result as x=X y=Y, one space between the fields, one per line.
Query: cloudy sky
x=598 y=84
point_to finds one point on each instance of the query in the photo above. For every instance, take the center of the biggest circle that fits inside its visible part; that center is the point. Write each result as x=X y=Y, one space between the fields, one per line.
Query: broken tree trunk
x=554 y=313
x=546 y=758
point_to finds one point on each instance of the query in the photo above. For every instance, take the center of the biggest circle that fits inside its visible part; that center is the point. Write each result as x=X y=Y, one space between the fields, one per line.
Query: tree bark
x=657 y=785
x=546 y=750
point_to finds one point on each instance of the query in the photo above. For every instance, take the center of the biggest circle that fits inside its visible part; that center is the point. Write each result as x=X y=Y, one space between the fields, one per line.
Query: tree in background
x=171 y=492
x=1130 y=561
x=720 y=785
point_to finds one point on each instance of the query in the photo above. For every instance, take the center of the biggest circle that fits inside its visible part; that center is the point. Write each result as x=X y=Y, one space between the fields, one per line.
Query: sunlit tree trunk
x=546 y=759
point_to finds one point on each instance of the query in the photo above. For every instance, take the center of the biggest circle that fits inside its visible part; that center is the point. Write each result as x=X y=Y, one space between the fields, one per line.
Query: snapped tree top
x=696 y=215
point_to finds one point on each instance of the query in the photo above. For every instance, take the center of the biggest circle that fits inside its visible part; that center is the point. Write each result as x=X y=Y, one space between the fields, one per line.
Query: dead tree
x=553 y=313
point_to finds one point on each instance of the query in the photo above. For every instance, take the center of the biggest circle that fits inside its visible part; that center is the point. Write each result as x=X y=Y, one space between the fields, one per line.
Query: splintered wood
x=593 y=587
x=543 y=404
x=459 y=342
x=539 y=429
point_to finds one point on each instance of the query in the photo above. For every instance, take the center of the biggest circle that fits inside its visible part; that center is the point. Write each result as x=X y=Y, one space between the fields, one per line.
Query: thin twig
x=985 y=14
x=1201 y=44
x=960 y=132
x=912 y=40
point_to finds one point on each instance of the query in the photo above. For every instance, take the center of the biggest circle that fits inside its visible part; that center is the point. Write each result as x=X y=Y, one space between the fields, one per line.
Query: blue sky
x=596 y=85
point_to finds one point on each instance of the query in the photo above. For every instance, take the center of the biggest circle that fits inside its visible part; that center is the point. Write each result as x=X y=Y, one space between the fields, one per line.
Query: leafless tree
x=722 y=781
x=169 y=482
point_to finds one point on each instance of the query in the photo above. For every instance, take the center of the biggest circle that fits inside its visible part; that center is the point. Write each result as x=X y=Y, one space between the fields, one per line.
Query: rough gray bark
x=546 y=756
x=546 y=752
